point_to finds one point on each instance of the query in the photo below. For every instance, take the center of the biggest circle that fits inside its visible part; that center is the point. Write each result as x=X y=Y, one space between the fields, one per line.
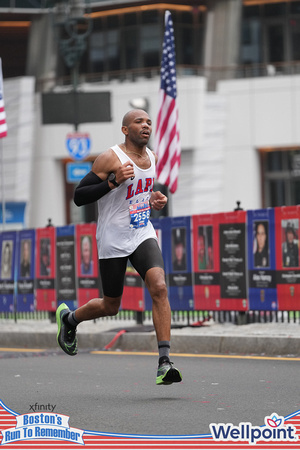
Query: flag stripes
x=167 y=142
x=3 y=125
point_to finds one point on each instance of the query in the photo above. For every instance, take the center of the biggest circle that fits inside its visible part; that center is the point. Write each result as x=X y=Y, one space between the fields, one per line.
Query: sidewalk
x=268 y=339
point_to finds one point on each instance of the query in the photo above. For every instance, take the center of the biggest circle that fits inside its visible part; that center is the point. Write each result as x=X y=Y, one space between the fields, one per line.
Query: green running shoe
x=66 y=335
x=167 y=373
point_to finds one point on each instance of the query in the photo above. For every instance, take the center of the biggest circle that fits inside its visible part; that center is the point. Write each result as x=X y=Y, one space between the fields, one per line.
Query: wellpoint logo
x=274 y=430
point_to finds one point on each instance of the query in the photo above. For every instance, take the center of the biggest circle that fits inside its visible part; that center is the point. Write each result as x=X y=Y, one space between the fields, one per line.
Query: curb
x=201 y=344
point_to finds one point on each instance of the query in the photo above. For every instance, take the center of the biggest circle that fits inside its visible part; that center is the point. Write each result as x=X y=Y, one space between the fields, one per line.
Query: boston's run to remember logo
x=273 y=430
x=42 y=426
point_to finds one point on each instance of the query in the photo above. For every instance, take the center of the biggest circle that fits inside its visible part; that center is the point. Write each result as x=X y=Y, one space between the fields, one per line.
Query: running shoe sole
x=71 y=349
x=172 y=375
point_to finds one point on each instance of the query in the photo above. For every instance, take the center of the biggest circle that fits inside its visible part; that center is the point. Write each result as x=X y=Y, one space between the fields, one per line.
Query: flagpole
x=2 y=186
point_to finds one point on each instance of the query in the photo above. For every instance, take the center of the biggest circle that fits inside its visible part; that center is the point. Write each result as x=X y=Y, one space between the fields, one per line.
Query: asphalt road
x=116 y=392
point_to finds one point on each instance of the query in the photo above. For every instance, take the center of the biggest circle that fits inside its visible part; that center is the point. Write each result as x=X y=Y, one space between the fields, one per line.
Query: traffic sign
x=78 y=145
x=76 y=171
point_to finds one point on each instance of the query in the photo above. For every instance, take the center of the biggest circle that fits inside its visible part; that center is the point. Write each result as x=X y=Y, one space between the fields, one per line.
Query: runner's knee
x=111 y=306
x=158 y=289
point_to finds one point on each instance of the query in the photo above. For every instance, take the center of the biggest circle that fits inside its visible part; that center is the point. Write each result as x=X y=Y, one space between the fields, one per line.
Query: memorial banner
x=206 y=262
x=65 y=266
x=7 y=273
x=45 y=269
x=287 y=222
x=232 y=231
x=261 y=260
x=87 y=263
x=25 y=270
x=156 y=222
x=133 y=294
x=178 y=261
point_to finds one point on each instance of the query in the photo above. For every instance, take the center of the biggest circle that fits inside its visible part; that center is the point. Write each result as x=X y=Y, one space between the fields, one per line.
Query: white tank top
x=122 y=213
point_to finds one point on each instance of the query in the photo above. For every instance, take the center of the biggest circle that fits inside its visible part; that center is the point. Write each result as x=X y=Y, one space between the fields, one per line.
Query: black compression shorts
x=112 y=270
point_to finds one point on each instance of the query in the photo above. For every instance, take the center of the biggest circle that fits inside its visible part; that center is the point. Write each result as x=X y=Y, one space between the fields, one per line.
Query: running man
x=121 y=181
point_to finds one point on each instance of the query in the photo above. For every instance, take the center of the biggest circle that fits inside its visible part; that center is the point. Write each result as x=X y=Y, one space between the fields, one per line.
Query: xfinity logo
x=44 y=407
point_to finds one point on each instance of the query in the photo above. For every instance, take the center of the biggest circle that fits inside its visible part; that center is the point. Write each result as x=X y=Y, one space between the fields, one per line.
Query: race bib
x=139 y=214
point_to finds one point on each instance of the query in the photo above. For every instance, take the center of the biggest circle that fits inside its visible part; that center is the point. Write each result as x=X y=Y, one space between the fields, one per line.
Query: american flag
x=3 y=125
x=167 y=143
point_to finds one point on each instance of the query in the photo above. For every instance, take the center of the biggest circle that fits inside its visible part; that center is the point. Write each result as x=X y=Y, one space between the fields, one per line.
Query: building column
x=42 y=50
x=222 y=39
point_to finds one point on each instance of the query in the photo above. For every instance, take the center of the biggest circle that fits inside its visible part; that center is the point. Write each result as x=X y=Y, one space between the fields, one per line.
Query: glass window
x=277 y=193
x=130 y=19
x=134 y=40
x=295 y=192
x=274 y=161
x=251 y=11
x=150 y=16
x=198 y=53
x=112 y=21
x=251 y=42
x=201 y=17
x=97 y=51
x=275 y=43
x=187 y=17
x=97 y=25
x=151 y=45
x=186 y=41
x=130 y=48
x=295 y=7
x=294 y=162
x=295 y=38
x=281 y=177
x=29 y=4
x=275 y=9
x=246 y=33
x=113 y=50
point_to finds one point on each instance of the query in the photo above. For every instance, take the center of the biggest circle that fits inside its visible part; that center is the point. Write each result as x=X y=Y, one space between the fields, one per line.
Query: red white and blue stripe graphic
x=3 y=124
x=99 y=441
x=167 y=143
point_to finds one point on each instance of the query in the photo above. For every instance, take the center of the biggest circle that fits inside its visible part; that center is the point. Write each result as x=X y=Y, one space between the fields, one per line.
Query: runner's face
x=139 y=128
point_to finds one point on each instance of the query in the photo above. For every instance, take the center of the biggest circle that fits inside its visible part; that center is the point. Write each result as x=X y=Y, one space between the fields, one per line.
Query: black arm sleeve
x=90 y=189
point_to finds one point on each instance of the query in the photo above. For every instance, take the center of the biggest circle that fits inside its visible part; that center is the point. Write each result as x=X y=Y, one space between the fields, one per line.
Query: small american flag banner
x=167 y=143
x=3 y=125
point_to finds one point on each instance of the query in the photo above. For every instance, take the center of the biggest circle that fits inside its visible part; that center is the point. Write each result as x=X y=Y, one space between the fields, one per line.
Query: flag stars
x=168 y=71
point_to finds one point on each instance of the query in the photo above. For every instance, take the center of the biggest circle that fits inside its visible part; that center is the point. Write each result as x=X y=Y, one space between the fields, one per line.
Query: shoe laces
x=164 y=360
x=71 y=334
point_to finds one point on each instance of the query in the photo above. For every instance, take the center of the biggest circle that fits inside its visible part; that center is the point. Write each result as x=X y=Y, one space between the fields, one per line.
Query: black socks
x=70 y=319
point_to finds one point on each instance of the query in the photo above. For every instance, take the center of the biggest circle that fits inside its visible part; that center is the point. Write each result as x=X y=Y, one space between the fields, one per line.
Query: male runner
x=121 y=181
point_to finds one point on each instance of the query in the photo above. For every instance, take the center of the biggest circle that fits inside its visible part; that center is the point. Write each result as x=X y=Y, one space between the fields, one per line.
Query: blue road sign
x=76 y=171
x=78 y=145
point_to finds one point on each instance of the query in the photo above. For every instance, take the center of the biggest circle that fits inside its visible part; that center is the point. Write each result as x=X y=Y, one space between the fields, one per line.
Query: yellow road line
x=183 y=355
x=198 y=355
x=31 y=350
